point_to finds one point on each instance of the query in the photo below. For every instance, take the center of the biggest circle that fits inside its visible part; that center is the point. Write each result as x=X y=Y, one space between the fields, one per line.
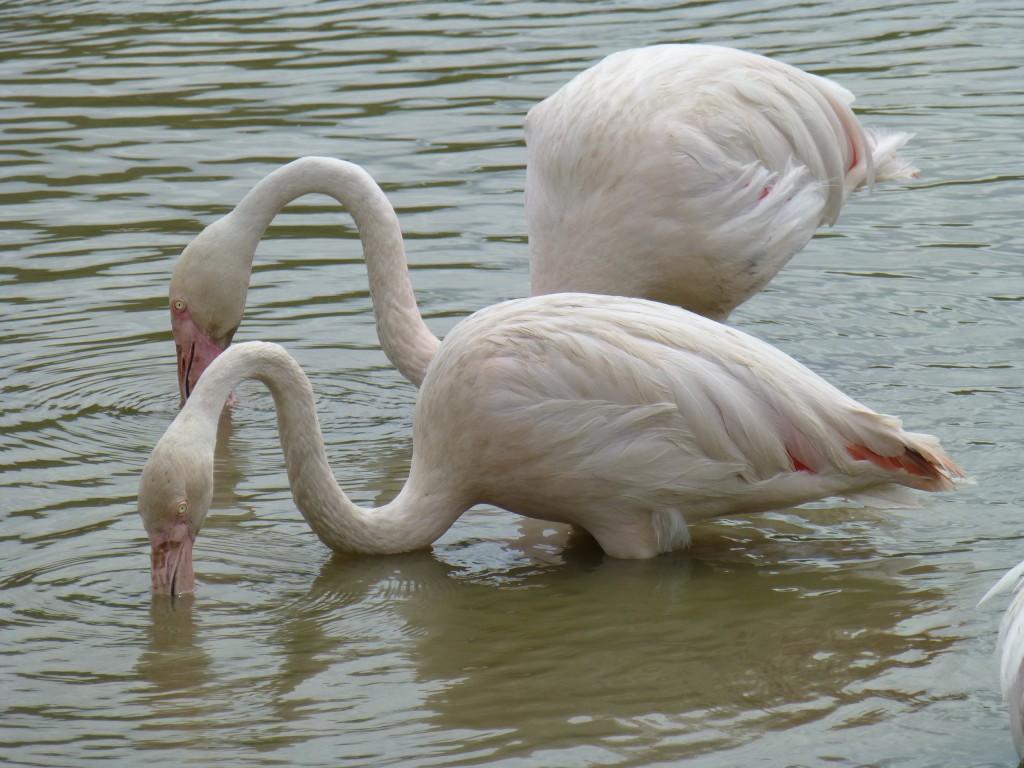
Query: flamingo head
x=175 y=493
x=195 y=347
x=207 y=298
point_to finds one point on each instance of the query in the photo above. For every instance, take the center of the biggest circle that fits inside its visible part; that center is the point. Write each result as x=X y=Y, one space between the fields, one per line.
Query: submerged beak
x=172 y=560
x=195 y=351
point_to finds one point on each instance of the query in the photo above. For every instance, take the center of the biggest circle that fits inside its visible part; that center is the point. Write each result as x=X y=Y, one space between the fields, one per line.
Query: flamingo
x=1011 y=649
x=627 y=418
x=688 y=174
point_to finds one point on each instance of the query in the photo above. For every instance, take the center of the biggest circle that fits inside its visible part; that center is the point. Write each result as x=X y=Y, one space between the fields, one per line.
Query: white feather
x=1011 y=649
x=690 y=174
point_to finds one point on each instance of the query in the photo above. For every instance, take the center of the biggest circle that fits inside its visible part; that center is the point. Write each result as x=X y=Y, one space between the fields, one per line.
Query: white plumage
x=1011 y=650
x=624 y=417
x=690 y=174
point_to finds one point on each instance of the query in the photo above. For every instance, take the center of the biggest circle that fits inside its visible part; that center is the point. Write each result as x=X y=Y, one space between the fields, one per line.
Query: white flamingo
x=687 y=174
x=1011 y=650
x=625 y=417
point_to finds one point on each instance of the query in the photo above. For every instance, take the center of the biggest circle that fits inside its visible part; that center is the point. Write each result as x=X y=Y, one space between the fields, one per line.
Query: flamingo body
x=627 y=418
x=690 y=174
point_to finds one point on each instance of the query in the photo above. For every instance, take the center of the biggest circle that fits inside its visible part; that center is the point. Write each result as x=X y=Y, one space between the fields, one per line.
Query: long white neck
x=424 y=509
x=405 y=338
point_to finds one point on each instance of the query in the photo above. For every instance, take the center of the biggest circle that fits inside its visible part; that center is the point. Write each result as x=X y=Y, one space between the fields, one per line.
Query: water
x=820 y=636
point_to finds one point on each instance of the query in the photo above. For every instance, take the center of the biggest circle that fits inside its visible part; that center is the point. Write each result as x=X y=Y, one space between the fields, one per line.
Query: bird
x=623 y=417
x=687 y=174
x=690 y=174
x=1011 y=650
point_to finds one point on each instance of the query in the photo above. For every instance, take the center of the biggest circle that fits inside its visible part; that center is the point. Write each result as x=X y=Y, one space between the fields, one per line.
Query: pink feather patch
x=909 y=461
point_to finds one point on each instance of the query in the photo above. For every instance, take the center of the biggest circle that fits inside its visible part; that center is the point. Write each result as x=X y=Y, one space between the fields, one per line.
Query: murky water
x=821 y=636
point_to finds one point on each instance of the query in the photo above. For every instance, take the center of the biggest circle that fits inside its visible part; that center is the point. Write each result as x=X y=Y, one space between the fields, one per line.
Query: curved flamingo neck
x=424 y=509
x=405 y=338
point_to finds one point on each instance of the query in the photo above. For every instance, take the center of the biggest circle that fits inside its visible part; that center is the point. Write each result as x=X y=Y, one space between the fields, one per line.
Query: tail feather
x=888 y=165
x=929 y=467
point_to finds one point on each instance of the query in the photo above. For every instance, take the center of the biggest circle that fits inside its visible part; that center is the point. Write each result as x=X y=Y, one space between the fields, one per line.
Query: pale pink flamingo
x=690 y=174
x=624 y=417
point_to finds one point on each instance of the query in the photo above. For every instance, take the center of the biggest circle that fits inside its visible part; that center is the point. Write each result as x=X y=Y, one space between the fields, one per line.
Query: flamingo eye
x=178 y=305
x=183 y=508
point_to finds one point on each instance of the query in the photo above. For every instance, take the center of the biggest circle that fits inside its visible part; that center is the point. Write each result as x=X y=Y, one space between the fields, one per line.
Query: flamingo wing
x=603 y=403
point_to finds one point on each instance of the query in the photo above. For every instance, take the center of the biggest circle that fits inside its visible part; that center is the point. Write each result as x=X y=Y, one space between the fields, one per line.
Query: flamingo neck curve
x=424 y=509
x=405 y=338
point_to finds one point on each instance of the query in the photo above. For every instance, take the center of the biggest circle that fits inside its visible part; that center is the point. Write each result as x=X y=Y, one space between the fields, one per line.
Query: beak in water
x=172 y=560
x=195 y=350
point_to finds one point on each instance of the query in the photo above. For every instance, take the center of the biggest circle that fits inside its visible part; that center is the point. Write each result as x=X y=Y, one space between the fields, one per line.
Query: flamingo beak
x=172 y=560
x=195 y=351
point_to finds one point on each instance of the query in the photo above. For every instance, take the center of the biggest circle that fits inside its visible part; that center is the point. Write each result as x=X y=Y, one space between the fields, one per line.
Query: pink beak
x=195 y=350
x=172 y=560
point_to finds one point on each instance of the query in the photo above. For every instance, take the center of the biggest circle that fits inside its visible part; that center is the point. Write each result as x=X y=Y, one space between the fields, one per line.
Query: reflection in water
x=663 y=657
x=229 y=468
x=180 y=695
x=174 y=659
